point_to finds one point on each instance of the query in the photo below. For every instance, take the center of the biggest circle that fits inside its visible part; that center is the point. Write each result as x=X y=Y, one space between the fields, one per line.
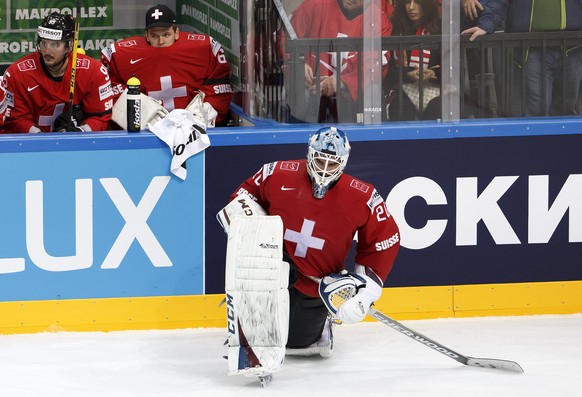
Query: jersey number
x=381 y=213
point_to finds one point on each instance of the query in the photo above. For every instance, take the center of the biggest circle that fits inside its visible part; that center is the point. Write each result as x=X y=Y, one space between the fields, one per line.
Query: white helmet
x=327 y=156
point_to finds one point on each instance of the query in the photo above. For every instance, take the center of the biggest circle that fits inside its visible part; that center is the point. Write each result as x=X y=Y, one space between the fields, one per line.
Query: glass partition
x=353 y=61
x=302 y=62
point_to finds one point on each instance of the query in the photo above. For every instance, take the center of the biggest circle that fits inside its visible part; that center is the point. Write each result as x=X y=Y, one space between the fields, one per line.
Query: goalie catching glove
x=348 y=296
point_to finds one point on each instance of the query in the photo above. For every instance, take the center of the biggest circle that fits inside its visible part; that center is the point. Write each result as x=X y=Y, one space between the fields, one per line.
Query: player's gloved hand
x=355 y=309
x=202 y=110
x=62 y=122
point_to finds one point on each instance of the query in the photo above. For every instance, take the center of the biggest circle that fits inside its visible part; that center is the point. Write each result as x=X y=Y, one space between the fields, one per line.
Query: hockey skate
x=323 y=347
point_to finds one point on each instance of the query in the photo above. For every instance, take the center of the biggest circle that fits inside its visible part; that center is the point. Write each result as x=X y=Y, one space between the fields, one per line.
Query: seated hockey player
x=321 y=210
x=173 y=68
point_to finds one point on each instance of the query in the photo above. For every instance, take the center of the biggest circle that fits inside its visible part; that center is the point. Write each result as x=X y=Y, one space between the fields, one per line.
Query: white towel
x=184 y=134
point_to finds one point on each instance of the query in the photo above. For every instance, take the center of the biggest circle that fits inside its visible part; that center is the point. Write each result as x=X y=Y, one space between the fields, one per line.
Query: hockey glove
x=356 y=308
x=348 y=296
x=62 y=122
x=152 y=111
x=202 y=110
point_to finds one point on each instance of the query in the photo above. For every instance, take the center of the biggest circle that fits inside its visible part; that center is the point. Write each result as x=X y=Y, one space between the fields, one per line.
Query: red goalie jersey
x=33 y=99
x=319 y=233
x=174 y=74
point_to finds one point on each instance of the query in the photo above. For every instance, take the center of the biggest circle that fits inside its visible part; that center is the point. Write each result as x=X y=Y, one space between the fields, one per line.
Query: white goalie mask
x=327 y=156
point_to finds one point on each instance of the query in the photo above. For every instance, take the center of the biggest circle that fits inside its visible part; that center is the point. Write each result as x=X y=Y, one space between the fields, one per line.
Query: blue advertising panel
x=473 y=210
x=99 y=224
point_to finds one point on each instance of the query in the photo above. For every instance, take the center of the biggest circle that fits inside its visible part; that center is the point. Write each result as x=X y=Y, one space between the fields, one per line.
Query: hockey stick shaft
x=417 y=336
x=335 y=293
x=74 y=66
x=431 y=343
x=285 y=19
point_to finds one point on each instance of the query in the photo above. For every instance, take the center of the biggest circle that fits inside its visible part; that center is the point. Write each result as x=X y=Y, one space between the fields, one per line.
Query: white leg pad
x=256 y=295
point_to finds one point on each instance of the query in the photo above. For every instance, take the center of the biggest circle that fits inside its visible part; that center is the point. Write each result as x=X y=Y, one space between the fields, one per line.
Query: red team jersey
x=320 y=236
x=174 y=74
x=33 y=99
x=325 y=19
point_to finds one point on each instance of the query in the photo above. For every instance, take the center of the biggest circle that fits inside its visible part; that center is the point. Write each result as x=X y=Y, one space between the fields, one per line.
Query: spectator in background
x=482 y=67
x=415 y=17
x=335 y=19
x=473 y=8
x=540 y=16
x=172 y=66
x=37 y=86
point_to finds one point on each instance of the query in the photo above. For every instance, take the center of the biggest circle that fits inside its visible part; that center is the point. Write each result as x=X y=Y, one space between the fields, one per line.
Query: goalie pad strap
x=257 y=297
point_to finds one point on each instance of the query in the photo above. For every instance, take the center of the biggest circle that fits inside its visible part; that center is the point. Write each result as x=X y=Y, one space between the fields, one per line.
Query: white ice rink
x=370 y=359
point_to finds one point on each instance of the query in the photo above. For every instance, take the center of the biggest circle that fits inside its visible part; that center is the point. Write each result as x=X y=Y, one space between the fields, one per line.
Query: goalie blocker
x=256 y=295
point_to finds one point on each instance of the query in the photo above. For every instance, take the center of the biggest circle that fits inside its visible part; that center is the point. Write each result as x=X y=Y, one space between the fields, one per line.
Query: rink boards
x=97 y=234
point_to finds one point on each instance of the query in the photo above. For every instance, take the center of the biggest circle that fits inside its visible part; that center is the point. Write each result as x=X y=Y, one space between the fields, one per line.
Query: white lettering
x=543 y=218
x=83 y=258
x=11 y=265
x=41 y=13
x=433 y=194
x=473 y=208
x=136 y=227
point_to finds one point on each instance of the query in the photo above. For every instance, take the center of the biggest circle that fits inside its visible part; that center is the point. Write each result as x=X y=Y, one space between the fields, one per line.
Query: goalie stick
x=466 y=360
x=336 y=289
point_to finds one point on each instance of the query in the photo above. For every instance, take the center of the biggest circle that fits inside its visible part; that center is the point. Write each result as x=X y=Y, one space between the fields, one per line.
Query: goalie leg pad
x=257 y=296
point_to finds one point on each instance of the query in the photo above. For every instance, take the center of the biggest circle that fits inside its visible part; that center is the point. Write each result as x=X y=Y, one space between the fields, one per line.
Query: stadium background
x=96 y=234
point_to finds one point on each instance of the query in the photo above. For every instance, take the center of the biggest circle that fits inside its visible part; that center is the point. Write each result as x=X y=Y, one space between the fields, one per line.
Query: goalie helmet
x=327 y=156
x=56 y=26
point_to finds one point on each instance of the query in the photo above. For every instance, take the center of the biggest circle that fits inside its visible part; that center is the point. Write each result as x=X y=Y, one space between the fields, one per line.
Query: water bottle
x=133 y=105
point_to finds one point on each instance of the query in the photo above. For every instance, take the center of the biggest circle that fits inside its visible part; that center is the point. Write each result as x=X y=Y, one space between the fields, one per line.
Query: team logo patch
x=359 y=185
x=83 y=63
x=128 y=43
x=290 y=165
x=199 y=37
x=27 y=65
x=105 y=91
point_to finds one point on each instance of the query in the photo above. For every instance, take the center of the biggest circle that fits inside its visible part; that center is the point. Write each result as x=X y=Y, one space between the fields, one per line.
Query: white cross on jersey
x=304 y=238
x=167 y=93
x=49 y=120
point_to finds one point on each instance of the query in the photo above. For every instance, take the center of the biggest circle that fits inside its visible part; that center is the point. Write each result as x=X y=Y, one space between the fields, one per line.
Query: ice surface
x=369 y=359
